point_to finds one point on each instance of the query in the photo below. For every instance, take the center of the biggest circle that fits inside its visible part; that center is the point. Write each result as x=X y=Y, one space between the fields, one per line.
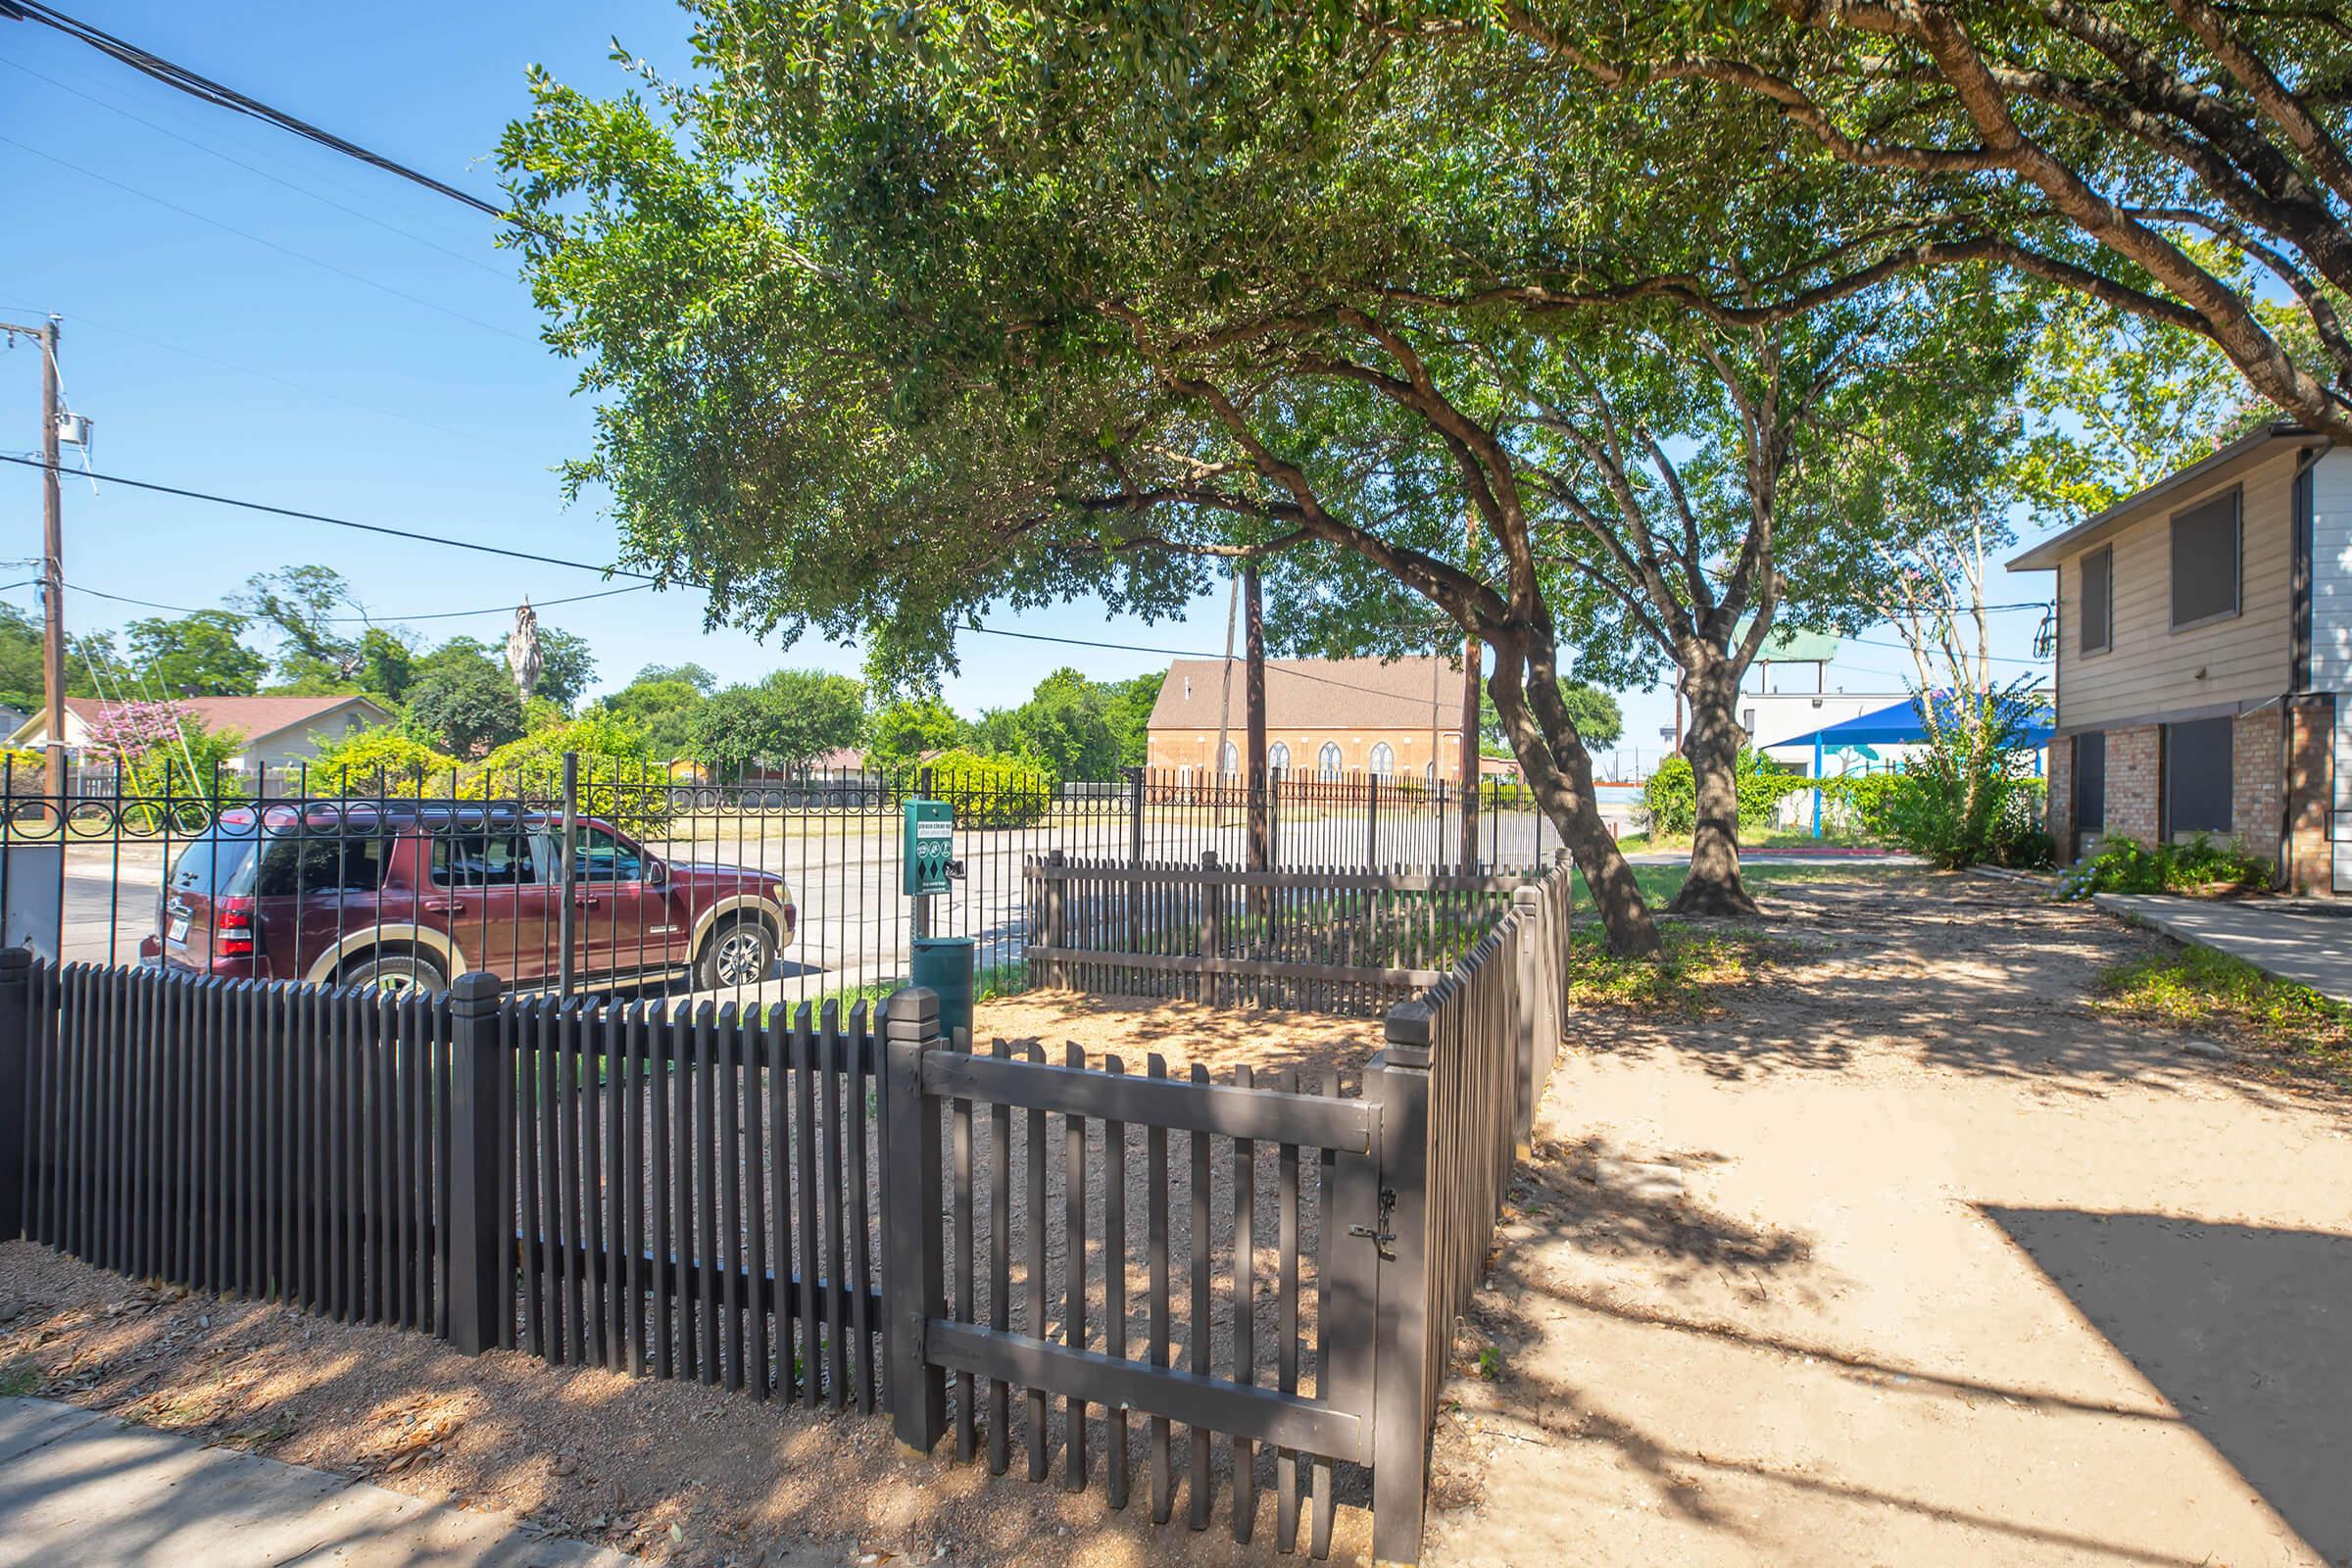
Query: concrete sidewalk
x=2310 y=949
x=77 y=1486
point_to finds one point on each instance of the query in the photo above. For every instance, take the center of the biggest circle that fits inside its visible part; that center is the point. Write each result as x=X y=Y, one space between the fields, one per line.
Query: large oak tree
x=892 y=317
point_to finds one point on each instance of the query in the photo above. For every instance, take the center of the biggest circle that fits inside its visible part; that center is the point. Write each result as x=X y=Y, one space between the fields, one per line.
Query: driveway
x=1908 y=1258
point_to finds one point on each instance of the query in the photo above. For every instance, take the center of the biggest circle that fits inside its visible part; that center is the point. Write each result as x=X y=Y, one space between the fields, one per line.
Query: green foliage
x=1593 y=712
x=1671 y=797
x=1969 y=797
x=787 y=721
x=2297 y=1031
x=383 y=762
x=1866 y=797
x=990 y=791
x=311 y=608
x=617 y=780
x=2124 y=864
x=567 y=669
x=1683 y=981
x=199 y=654
x=898 y=733
x=463 y=704
x=661 y=705
x=1128 y=711
x=1064 y=728
x=388 y=662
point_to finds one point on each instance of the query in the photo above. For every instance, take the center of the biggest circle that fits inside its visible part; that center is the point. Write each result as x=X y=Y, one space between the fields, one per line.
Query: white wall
x=1781 y=716
x=2332 y=573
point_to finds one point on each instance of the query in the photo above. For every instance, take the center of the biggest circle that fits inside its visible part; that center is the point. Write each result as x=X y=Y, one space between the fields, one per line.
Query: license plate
x=178 y=930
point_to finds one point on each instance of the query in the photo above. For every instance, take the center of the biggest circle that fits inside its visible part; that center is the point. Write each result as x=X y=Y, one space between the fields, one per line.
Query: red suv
x=402 y=894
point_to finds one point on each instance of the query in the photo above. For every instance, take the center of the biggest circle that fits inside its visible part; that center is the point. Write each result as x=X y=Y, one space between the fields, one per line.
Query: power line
x=267 y=244
x=344 y=522
x=370 y=620
x=214 y=93
x=254 y=169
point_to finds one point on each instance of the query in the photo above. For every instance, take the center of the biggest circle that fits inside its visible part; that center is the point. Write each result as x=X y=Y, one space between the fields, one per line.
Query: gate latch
x=1380 y=1236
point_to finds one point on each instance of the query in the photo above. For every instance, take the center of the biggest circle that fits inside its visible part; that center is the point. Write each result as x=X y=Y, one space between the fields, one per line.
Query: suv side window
x=499 y=859
x=600 y=857
x=315 y=863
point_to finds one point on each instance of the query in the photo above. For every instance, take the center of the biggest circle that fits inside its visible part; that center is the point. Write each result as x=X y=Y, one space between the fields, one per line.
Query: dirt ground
x=1909 y=1257
x=671 y=1471
x=1905 y=1257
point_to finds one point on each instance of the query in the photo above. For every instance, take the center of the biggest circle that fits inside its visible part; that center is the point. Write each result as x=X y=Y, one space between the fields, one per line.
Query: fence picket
x=729 y=1085
x=1155 y=1222
x=1198 y=1330
x=1000 y=1262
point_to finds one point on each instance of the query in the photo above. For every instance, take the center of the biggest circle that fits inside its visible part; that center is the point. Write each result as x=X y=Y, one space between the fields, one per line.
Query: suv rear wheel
x=737 y=955
x=397 y=973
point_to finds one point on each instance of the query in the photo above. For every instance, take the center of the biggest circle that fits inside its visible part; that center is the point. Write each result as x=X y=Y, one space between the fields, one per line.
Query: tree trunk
x=1559 y=771
x=1712 y=745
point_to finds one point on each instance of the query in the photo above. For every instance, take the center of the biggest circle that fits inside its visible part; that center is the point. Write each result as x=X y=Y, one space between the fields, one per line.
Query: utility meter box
x=928 y=860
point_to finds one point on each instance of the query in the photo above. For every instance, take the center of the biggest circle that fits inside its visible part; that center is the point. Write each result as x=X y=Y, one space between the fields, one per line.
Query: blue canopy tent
x=1900 y=724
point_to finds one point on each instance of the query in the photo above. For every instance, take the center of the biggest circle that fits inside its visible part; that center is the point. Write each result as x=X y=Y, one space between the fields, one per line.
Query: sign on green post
x=929 y=847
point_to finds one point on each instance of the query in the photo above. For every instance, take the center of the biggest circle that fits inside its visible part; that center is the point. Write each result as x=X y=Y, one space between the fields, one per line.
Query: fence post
x=1372 y=822
x=1057 y=915
x=481 y=1259
x=914 y=1280
x=1213 y=926
x=16 y=1116
x=1528 y=1004
x=1397 y=1081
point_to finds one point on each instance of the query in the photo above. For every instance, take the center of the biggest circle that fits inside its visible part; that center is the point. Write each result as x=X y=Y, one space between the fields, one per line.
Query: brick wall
x=2134 y=782
x=2254 y=781
x=2059 y=809
x=2310 y=796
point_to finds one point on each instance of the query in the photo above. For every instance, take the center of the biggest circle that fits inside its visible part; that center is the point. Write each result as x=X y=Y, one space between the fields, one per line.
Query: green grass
x=2286 y=1030
x=1661 y=883
x=19 y=1377
x=1686 y=981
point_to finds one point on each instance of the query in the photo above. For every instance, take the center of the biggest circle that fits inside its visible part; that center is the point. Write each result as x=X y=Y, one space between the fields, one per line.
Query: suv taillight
x=232 y=927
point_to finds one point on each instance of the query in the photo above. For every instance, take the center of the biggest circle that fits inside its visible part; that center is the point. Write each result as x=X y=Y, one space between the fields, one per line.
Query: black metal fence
x=585 y=876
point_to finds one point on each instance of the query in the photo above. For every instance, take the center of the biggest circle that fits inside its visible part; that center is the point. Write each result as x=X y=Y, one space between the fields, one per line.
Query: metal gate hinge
x=1380 y=1236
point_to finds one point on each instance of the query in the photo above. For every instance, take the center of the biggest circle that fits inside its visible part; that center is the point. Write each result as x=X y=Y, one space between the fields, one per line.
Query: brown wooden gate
x=1027 y=1196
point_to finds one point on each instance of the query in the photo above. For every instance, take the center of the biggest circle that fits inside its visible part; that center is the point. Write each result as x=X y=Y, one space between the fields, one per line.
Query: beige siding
x=2149 y=669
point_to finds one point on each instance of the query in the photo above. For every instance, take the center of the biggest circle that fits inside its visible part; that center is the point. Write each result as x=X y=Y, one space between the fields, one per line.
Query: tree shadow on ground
x=2243 y=1328
x=1977 y=976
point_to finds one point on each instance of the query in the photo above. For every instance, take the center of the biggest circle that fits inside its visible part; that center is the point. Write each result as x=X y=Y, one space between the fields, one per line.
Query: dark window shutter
x=2090 y=782
x=2196 y=777
x=2099 y=594
x=2205 y=561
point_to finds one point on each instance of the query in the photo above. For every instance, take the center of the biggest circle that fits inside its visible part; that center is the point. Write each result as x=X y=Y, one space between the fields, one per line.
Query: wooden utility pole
x=1253 y=701
x=53 y=571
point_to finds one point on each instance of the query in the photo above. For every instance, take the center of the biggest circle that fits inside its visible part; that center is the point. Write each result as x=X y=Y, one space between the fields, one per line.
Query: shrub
x=1867 y=798
x=989 y=791
x=2126 y=866
x=1671 y=798
x=1968 y=798
x=618 y=781
x=380 y=761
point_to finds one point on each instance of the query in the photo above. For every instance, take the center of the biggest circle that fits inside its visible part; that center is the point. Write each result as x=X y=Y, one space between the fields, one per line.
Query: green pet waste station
x=928 y=870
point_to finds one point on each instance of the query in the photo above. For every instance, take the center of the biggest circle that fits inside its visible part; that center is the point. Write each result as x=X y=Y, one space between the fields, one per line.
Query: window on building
x=2205 y=550
x=1327 y=760
x=2090 y=783
x=1384 y=760
x=1277 y=759
x=2098 y=599
x=2197 y=778
x=1229 y=762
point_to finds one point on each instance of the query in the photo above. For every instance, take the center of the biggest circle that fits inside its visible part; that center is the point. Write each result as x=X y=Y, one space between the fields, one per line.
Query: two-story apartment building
x=2204 y=679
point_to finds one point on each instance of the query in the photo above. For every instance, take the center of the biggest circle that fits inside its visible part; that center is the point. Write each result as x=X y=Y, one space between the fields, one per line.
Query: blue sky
x=358 y=349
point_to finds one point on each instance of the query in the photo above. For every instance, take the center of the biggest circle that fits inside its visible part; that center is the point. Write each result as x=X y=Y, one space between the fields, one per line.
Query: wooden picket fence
x=847 y=1211
x=1318 y=939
